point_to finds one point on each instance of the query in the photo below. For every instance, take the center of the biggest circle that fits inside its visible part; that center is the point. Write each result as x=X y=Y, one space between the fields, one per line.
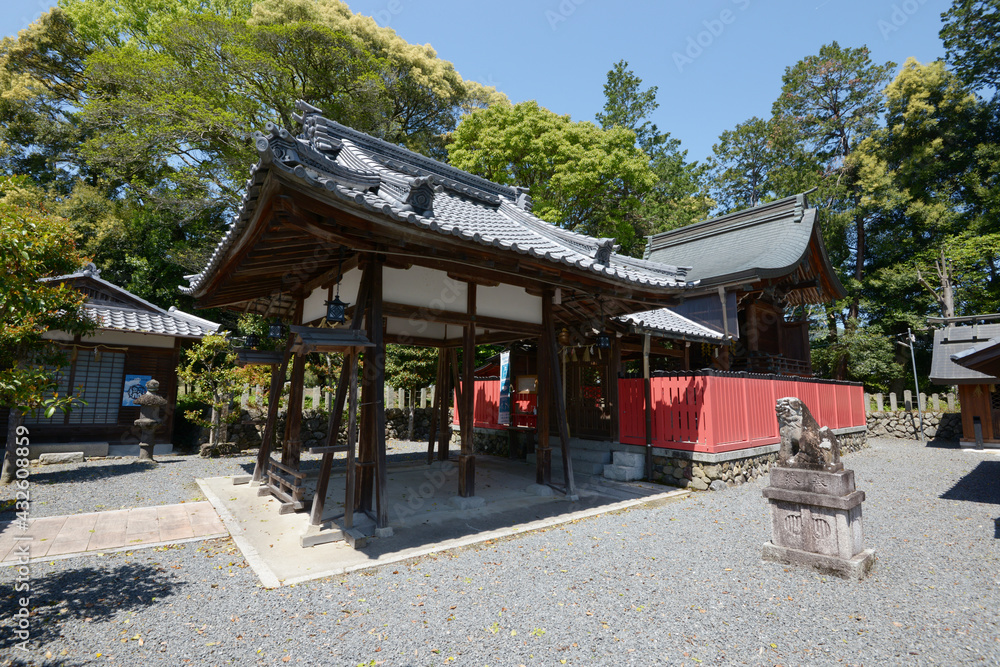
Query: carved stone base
x=816 y=521
x=855 y=568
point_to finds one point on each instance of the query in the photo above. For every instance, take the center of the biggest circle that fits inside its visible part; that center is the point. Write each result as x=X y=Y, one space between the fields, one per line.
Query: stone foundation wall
x=905 y=424
x=685 y=473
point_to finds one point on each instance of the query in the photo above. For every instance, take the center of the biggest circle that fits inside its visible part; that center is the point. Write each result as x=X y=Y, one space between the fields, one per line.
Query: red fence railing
x=706 y=412
x=486 y=413
x=719 y=412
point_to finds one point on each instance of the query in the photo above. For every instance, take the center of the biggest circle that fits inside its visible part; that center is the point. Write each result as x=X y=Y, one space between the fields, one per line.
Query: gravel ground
x=681 y=584
x=111 y=484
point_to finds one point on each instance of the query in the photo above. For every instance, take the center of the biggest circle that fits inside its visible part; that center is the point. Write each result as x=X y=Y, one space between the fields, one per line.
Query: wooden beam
x=549 y=334
x=347 y=382
x=454 y=317
x=435 y=405
x=292 y=450
x=543 y=452
x=473 y=278
x=377 y=336
x=467 y=459
x=648 y=393
x=273 y=402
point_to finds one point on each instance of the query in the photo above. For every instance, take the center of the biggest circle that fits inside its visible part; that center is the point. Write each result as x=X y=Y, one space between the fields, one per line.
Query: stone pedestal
x=816 y=521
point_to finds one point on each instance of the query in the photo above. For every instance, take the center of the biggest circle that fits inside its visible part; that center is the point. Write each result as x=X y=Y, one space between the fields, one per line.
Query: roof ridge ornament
x=605 y=247
x=523 y=200
x=420 y=198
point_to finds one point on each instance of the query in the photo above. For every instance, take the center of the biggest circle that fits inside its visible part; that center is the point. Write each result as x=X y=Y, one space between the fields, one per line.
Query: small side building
x=134 y=341
x=752 y=268
x=968 y=355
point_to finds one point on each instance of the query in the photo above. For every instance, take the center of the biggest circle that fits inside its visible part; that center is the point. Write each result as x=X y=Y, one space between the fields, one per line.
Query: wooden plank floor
x=105 y=531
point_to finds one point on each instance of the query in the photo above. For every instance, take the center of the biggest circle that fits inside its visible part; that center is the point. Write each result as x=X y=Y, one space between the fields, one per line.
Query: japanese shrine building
x=760 y=262
x=135 y=340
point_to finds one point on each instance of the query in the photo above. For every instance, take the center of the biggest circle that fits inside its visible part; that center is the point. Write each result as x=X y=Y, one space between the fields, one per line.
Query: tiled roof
x=117 y=309
x=171 y=323
x=671 y=325
x=956 y=343
x=767 y=241
x=373 y=175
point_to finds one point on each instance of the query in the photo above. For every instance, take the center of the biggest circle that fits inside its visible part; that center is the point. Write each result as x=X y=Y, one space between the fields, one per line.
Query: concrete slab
x=421 y=517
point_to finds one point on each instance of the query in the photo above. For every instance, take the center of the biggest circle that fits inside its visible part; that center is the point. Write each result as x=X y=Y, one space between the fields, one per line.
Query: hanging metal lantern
x=251 y=341
x=603 y=341
x=336 y=311
x=276 y=329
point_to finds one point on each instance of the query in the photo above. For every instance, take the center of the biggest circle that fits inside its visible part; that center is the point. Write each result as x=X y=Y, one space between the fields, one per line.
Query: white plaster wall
x=116 y=338
x=314 y=305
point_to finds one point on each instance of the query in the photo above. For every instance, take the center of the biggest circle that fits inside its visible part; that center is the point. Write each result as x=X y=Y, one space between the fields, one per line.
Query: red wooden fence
x=716 y=412
x=703 y=412
x=486 y=413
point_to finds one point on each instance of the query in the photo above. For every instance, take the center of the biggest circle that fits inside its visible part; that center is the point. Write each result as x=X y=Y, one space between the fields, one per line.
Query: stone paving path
x=107 y=531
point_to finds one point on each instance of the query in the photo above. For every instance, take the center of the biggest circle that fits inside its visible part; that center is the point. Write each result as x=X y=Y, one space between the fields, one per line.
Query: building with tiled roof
x=759 y=263
x=134 y=341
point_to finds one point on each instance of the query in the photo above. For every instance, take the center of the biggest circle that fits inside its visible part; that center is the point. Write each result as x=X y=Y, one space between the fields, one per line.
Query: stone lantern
x=150 y=417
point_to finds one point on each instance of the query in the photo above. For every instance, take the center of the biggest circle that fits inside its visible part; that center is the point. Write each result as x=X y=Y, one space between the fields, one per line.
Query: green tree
x=572 y=169
x=411 y=369
x=919 y=177
x=970 y=38
x=759 y=161
x=834 y=101
x=678 y=196
x=34 y=245
x=211 y=368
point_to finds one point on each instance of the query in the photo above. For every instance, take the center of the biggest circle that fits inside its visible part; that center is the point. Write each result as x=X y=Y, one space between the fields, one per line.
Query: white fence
x=315 y=397
x=878 y=402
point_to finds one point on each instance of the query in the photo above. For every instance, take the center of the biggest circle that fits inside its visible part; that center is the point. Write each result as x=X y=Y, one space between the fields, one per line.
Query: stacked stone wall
x=906 y=424
x=685 y=473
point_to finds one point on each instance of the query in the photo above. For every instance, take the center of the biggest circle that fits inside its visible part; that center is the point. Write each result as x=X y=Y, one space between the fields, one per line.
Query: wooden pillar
x=435 y=406
x=377 y=336
x=273 y=403
x=292 y=450
x=613 y=366
x=444 y=419
x=348 y=375
x=647 y=385
x=556 y=384
x=723 y=360
x=687 y=355
x=543 y=451
x=467 y=459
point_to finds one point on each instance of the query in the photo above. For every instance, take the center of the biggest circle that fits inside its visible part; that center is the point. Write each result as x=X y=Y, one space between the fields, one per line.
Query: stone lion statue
x=804 y=444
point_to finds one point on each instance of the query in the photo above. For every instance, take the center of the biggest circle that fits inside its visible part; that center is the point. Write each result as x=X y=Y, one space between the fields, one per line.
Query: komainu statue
x=803 y=443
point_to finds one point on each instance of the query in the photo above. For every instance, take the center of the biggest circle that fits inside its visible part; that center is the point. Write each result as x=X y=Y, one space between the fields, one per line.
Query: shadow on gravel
x=981 y=485
x=93 y=472
x=88 y=594
x=942 y=444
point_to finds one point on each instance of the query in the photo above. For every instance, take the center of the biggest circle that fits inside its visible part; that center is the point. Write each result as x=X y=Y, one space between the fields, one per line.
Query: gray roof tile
x=954 y=343
x=671 y=325
x=378 y=176
x=176 y=323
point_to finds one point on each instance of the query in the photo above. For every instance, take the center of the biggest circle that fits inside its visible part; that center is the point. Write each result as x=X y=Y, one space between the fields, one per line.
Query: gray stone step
x=623 y=473
x=629 y=459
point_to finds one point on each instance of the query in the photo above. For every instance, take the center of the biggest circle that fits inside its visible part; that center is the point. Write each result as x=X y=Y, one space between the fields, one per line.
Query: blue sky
x=716 y=63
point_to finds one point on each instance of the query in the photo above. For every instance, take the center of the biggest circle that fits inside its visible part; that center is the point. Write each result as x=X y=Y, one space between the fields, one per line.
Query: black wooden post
x=273 y=401
x=467 y=459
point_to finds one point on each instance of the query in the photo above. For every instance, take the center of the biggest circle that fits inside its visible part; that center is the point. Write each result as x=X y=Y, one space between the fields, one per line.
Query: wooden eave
x=291 y=245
